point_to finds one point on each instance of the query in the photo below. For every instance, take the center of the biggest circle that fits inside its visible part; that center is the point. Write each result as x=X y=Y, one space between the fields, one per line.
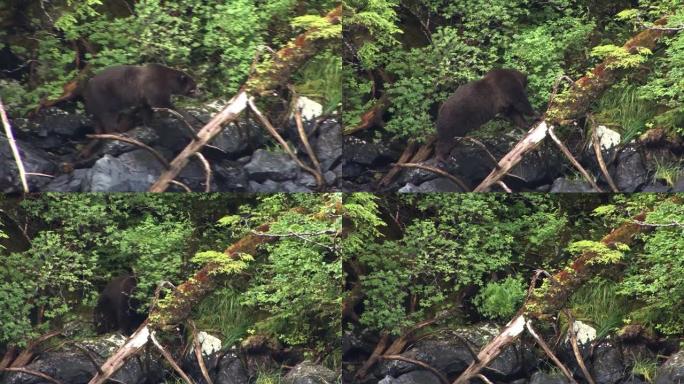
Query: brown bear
x=116 y=92
x=117 y=309
x=475 y=103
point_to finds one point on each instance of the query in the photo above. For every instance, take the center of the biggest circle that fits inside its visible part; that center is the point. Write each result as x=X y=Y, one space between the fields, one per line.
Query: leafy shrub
x=501 y=299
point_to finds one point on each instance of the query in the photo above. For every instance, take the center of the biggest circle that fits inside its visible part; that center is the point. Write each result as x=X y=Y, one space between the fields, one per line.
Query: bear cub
x=475 y=103
x=117 y=309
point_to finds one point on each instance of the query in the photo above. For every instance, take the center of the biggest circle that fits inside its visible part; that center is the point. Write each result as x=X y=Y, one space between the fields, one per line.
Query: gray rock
x=563 y=185
x=360 y=151
x=310 y=373
x=230 y=371
x=74 y=367
x=54 y=120
x=415 y=377
x=328 y=145
x=230 y=177
x=607 y=366
x=545 y=378
x=630 y=172
x=267 y=165
x=449 y=355
x=143 y=134
x=672 y=371
x=441 y=184
x=236 y=139
x=656 y=188
x=70 y=182
x=679 y=185
x=131 y=172
x=35 y=161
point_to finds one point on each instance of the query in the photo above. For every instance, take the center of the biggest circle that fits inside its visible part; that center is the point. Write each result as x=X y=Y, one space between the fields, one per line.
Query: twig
x=437 y=171
x=109 y=136
x=13 y=146
x=207 y=170
x=574 y=161
x=599 y=157
x=178 y=183
x=419 y=363
x=40 y=174
x=466 y=343
x=182 y=118
x=305 y=140
x=34 y=373
x=170 y=359
x=276 y=135
x=302 y=236
x=198 y=353
x=672 y=224
x=504 y=186
x=89 y=354
x=545 y=347
x=479 y=143
x=575 y=348
x=483 y=378
x=405 y=157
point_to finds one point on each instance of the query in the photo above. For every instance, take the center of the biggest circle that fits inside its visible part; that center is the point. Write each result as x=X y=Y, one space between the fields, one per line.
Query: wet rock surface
x=608 y=360
x=242 y=158
x=73 y=366
x=545 y=169
x=310 y=373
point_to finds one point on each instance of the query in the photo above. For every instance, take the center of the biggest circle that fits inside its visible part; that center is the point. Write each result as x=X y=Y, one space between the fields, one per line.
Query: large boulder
x=310 y=373
x=35 y=161
x=276 y=166
x=672 y=371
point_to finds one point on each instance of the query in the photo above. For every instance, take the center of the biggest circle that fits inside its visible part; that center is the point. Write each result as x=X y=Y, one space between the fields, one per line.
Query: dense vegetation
x=415 y=256
x=416 y=53
x=290 y=290
x=46 y=44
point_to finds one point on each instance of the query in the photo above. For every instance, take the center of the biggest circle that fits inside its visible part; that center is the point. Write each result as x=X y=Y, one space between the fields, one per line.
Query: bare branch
x=279 y=139
x=34 y=373
x=574 y=161
x=438 y=171
x=419 y=363
x=207 y=170
x=305 y=140
x=108 y=136
x=599 y=158
x=15 y=149
x=545 y=347
x=171 y=361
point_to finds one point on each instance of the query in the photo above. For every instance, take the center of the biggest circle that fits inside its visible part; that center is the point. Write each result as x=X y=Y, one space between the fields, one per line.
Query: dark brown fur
x=111 y=95
x=475 y=103
x=116 y=309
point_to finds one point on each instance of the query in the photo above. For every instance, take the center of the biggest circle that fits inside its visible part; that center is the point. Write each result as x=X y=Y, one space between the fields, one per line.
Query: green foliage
x=668 y=172
x=222 y=313
x=655 y=277
x=599 y=304
x=424 y=50
x=300 y=283
x=501 y=299
x=450 y=242
x=603 y=253
x=622 y=108
x=620 y=57
x=215 y=41
x=50 y=278
x=321 y=80
x=645 y=368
